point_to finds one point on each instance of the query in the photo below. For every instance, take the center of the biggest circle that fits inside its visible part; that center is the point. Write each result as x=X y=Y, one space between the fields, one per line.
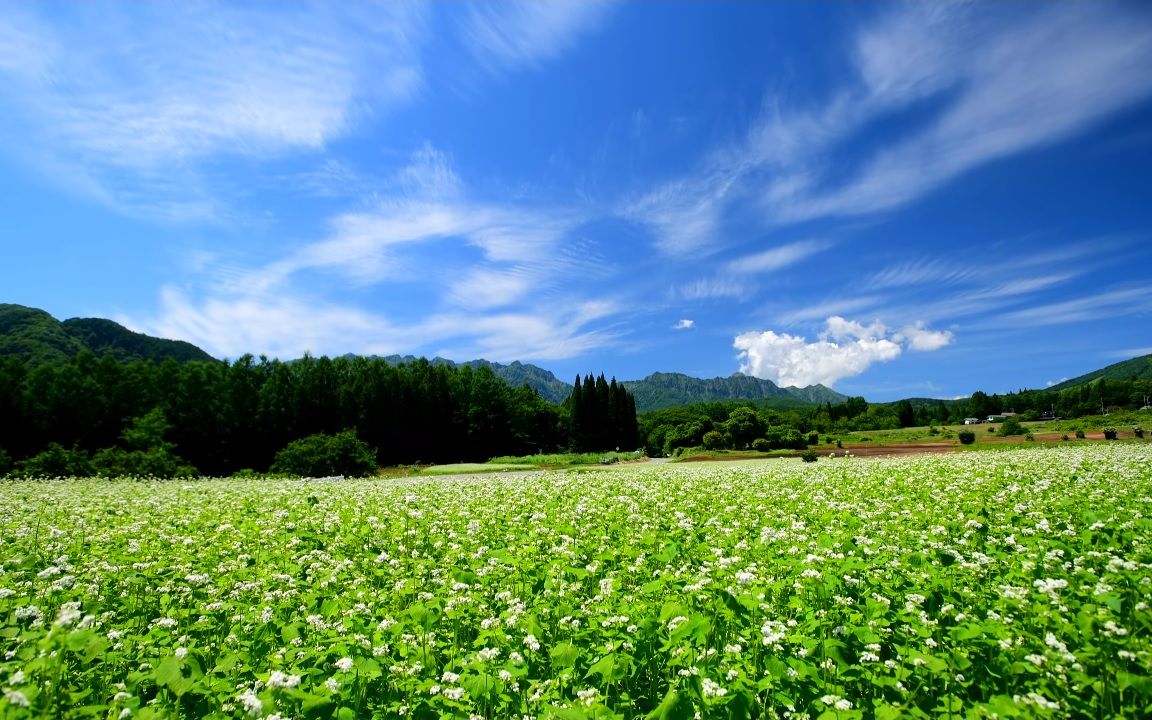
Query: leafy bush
x=809 y=456
x=1079 y=434
x=1011 y=426
x=1110 y=433
x=1064 y=436
x=156 y=462
x=813 y=438
x=1139 y=431
x=967 y=437
x=761 y=445
x=324 y=455
x=714 y=440
x=5 y=462
x=56 y=461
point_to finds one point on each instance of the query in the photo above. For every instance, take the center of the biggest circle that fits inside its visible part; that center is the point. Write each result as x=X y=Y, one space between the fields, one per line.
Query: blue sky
x=895 y=200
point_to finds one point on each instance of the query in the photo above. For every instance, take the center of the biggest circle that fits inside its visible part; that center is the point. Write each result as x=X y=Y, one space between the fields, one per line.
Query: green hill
x=1138 y=368
x=35 y=337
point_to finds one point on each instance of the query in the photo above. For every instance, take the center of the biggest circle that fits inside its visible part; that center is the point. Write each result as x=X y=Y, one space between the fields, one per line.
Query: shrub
x=1064 y=436
x=991 y=429
x=809 y=456
x=56 y=461
x=814 y=438
x=324 y=455
x=967 y=437
x=1012 y=426
x=155 y=462
x=1079 y=434
x=713 y=440
x=5 y=462
x=933 y=430
x=1138 y=431
x=1109 y=433
x=761 y=445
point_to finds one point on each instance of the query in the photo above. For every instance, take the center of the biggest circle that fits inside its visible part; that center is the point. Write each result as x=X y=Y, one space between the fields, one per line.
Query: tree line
x=220 y=418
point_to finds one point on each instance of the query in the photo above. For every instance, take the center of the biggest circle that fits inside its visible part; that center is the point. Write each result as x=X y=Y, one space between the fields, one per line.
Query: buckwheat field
x=1011 y=584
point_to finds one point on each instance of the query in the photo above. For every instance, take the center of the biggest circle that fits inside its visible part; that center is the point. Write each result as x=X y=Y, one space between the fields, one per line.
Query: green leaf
x=674 y=706
x=167 y=672
x=602 y=667
x=318 y=707
x=564 y=654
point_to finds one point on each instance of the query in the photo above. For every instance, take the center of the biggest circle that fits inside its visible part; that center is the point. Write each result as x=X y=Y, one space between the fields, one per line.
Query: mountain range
x=35 y=337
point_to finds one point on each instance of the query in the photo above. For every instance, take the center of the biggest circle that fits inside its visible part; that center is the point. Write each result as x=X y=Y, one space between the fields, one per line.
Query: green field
x=1013 y=584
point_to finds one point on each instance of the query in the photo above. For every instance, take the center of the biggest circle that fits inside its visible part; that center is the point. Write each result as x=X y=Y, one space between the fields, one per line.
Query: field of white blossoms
x=1013 y=584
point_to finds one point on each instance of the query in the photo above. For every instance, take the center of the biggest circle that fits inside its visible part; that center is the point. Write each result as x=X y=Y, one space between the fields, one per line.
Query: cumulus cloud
x=684 y=324
x=845 y=348
x=921 y=338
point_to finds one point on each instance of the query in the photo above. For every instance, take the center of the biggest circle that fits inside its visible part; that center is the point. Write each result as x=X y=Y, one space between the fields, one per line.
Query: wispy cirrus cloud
x=145 y=114
x=1004 y=87
x=777 y=258
x=518 y=33
x=1003 y=81
x=507 y=299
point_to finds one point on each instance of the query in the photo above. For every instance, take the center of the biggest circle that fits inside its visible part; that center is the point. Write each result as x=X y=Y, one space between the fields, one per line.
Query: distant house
x=997 y=418
x=971 y=421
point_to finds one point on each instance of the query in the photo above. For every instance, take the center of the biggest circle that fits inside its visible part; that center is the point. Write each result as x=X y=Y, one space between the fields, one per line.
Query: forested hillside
x=1137 y=368
x=222 y=417
x=35 y=337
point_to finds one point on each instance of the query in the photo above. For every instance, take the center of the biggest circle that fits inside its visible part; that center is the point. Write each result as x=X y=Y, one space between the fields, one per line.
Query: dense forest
x=219 y=417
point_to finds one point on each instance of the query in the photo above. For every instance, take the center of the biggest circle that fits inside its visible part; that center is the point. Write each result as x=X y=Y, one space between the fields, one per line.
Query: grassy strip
x=567 y=459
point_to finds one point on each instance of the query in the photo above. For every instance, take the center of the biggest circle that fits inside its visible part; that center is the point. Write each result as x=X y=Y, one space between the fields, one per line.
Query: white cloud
x=513 y=33
x=286 y=327
x=685 y=215
x=778 y=258
x=921 y=338
x=277 y=326
x=141 y=100
x=715 y=288
x=845 y=348
x=1081 y=309
x=1005 y=80
x=684 y=324
x=1038 y=79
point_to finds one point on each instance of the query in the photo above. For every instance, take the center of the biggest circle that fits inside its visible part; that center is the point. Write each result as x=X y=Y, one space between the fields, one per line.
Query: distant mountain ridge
x=661 y=390
x=35 y=337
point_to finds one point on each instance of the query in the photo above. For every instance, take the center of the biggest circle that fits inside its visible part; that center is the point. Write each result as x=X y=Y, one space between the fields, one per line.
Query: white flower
x=489 y=654
x=713 y=689
x=532 y=643
x=587 y=697
x=16 y=698
x=454 y=693
x=251 y=703
x=449 y=677
x=181 y=653
x=344 y=664
x=283 y=680
x=332 y=684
